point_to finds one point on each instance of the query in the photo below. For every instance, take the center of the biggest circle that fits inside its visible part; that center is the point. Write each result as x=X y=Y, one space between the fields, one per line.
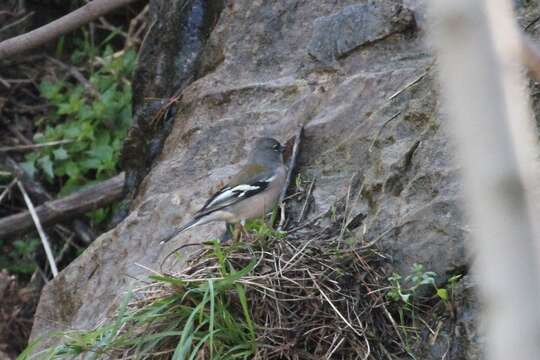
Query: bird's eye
x=276 y=147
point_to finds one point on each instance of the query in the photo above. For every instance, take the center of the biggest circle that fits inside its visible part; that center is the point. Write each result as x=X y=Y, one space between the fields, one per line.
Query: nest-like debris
x=312 y=299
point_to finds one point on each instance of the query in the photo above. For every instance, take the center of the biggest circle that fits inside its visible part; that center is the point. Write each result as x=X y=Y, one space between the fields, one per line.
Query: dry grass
x=304 y=295
x=308 y=299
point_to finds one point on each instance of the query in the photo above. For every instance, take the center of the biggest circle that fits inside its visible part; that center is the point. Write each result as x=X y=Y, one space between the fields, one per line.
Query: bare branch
x=485 y=102
x=42 y=235
x=34 y=146
x=65 y=24
x=292 y=165
x=530 y=54
x=7 y=189
x=67 y=207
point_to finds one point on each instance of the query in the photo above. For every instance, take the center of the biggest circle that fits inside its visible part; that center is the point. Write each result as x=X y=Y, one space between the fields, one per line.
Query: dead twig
x=17 y=22
x=292 y=166
x=134 y=33
x=306 y=202
x=412 y=83
x=65 y=24
x=12 y=129
x=7 y=189
x=66 y=208
x=39 y=228
x=77 y=75
x=20 y=148
x=381 y=129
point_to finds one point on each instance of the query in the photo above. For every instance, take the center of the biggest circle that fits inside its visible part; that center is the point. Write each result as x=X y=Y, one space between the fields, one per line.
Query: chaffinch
x=251 y=193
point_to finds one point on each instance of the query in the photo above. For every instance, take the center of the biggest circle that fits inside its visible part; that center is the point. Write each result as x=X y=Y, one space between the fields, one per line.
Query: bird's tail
x=192 y=223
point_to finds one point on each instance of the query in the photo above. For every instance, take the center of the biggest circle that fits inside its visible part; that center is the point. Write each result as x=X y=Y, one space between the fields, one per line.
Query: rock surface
x=373 y=131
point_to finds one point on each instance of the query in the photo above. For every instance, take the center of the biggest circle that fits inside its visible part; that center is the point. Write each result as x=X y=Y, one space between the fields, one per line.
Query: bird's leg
x=237 y=233
x=240 y=231
x=245 y=234
x=228 y=234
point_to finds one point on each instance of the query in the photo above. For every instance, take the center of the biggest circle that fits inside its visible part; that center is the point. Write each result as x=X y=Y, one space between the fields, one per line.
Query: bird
x=249 y=194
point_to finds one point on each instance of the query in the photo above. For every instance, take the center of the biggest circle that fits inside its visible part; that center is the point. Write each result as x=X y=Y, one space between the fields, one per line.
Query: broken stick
x=292 y=166
x=65 y=208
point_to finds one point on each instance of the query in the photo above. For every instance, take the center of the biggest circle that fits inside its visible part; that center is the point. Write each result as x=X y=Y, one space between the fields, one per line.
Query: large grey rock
x=372 y=126
x=336 y=35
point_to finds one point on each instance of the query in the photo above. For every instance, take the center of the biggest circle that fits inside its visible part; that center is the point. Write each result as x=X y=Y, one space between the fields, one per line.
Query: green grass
x=187 y=319
x=271 y=296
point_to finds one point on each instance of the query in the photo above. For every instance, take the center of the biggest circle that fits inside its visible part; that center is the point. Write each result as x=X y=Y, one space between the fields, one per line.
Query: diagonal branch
x=41 y=232
x=65 y=208
x=292 y=166
x=65 y=24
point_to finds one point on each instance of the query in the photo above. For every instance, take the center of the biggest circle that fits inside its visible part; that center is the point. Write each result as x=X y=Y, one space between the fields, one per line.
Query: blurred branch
x=65 y=24
x=531 y=56
x=66 y=208
x=510 y=44
x=7 y=189
x=20 y=148
x=487 y=105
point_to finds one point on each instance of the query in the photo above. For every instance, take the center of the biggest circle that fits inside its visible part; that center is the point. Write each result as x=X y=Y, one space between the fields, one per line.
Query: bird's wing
x=237 y=190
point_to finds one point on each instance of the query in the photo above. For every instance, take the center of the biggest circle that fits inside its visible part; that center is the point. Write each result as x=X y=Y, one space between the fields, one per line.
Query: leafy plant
x=404 y=293
x=261 y=229
x=16 y=256
x=92 y=120
x=399 y=291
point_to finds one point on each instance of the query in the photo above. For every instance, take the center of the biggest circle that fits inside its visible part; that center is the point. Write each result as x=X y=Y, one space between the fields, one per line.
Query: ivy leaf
x=29 y=167
x=102 y=152
x=46 y=165
x=72 y=170
x=91 y=163
x=71 y=130
x=60 y=154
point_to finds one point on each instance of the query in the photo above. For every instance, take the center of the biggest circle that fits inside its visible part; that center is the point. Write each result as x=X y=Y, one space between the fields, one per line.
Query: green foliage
x=418 y=277
x=405 y=295
x=186 y=319
x=261 y=229
x=16 y=256
x=93 y=121
x=404 y=290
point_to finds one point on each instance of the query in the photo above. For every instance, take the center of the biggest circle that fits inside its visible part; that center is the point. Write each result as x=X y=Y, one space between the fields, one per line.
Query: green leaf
x=72 y=169
x=442 y=293
x=71 y=185
x=71 y=130
x=40 y=137
x=454 y=279
x=90 y=164
x=50 y=90
x=60 y=154
x=405 y=297
x=427 y=280
x=29 y=168
x=46 y=165
x=99 y=215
